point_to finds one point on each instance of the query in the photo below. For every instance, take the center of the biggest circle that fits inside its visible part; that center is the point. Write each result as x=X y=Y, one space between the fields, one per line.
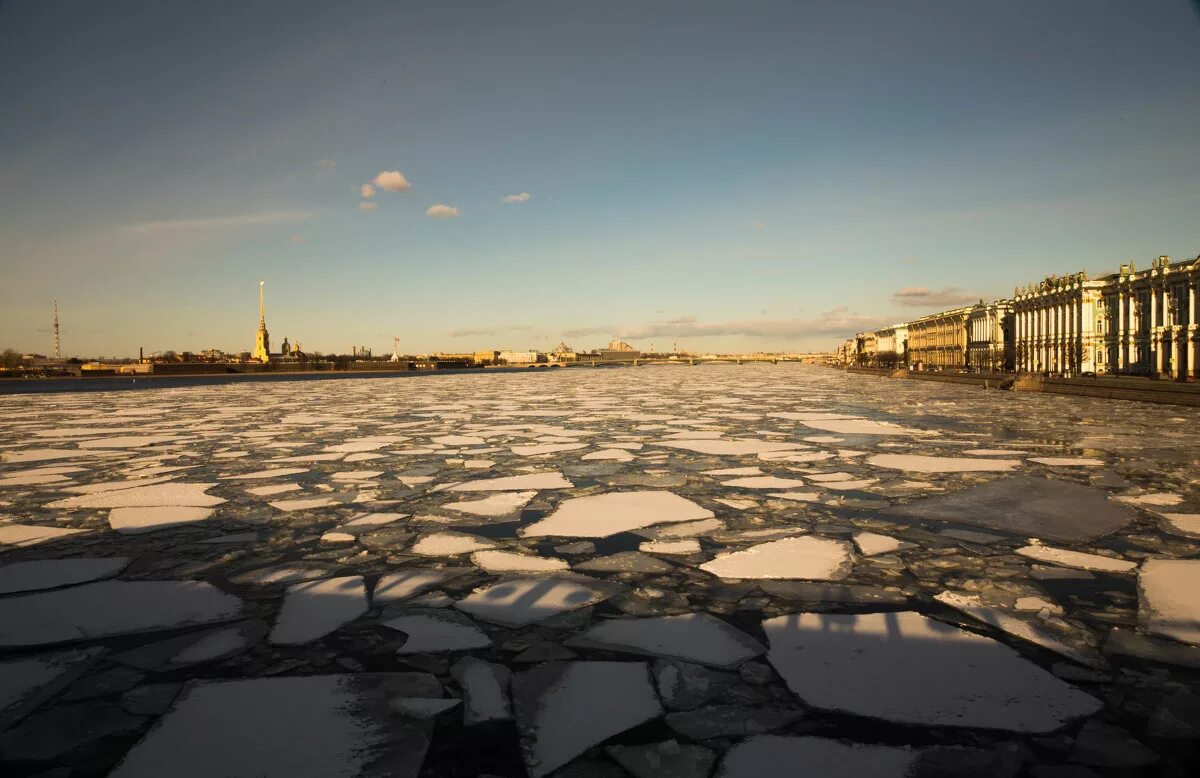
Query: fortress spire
x=262 y=339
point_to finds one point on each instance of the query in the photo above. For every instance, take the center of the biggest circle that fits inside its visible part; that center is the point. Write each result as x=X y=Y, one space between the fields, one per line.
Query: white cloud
x=921 y=296
x=440 y=211
x=367 y=191
x=523 y=197
x=218 y=222
x=367 y=206
x=392 y=181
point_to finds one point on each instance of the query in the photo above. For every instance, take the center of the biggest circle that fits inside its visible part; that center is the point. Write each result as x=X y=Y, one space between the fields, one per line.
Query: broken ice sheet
x=501 y=504
x=313 y=609
x=175 y=493
x=551 y=699
x=512 y=562
x=39 y=574
x=98 y=610
x=433 y=631
x=515 y=483
x=27 y=682
x=32 y=534
x=691 y=637
x=764 y=755
x=1168 y=602
x=520 y=601
x=601 y=515
x=971 y=606
x=138 y=520
x=916 y=463
x=804 y=557
x=906 y=668
x=1035 y=507
x=323 y=726
x=449 y=544
x=1077 y=559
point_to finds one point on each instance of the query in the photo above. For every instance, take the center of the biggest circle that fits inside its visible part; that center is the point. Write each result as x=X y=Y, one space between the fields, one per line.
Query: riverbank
x=1132 y=388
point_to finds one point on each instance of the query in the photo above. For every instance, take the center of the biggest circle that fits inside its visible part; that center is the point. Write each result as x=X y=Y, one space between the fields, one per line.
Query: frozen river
x=664 y=571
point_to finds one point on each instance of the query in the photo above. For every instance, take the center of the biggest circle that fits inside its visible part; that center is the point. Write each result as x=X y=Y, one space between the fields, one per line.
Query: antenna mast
x=57 y=344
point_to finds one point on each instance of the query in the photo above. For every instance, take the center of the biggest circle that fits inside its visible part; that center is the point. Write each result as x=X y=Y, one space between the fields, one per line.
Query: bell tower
x=262 y=340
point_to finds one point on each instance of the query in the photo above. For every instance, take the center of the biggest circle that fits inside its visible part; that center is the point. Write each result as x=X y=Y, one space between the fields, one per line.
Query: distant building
x=486 y=357
x=517 y=357
x=865 y=348
x=891 y=345
x=939 y=340
x=990 y=344
x=262 y=339
x=618 y=345
x=1129 y=322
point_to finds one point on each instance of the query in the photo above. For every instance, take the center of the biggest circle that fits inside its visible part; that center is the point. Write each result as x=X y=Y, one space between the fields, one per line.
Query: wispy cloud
x=523 y=197
x=758 y=226
x=468 y=332
x=297 y=239
x=367 y=206
x=367 y=191
x=324 y=167
x=922 y=296
x=440 y=211
x=219 y=222
x=836 y=321
x=392 y=181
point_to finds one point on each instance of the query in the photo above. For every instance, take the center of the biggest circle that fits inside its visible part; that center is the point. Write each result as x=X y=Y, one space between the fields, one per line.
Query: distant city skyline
x=759 y=176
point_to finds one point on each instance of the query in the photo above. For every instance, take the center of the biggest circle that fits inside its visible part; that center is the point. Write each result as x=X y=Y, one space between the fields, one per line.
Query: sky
x=472 y=175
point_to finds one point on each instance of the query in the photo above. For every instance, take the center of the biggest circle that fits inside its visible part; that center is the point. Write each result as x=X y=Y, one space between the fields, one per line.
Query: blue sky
x=732 y=176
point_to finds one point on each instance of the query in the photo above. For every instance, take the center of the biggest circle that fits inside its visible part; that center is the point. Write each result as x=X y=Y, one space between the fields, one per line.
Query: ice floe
x=38 y=574
x=400 y=585
x=313 y=609
x=321 y=726
x=98 y=610
x=775 y=755
x=449 y=544
x=501 y=504
x=548 y=699
x=33 y=534
x=175 y=493
x=515 y=483
x=520 y=601
x=27 y=682
x=1077 y=559
x=971 y=606
x=691 y=637
x=512 y=562
x=906 y=668
x=873 y=544
x=485 y=690
x=805 y=557
x=135 y=521
x=437 y=631
x=670 y=547
x=1035 y=507
x=917 y=463
x=601 y=515
x=1168 y=604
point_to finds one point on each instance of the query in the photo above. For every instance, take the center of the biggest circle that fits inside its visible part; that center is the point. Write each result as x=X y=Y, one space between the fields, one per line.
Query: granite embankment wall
x=1113 y=388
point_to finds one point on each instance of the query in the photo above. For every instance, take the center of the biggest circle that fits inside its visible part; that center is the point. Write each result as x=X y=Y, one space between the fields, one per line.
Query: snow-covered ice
x=907 y=668
x=807 y=558
x=692 y=637
x=601 y=515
